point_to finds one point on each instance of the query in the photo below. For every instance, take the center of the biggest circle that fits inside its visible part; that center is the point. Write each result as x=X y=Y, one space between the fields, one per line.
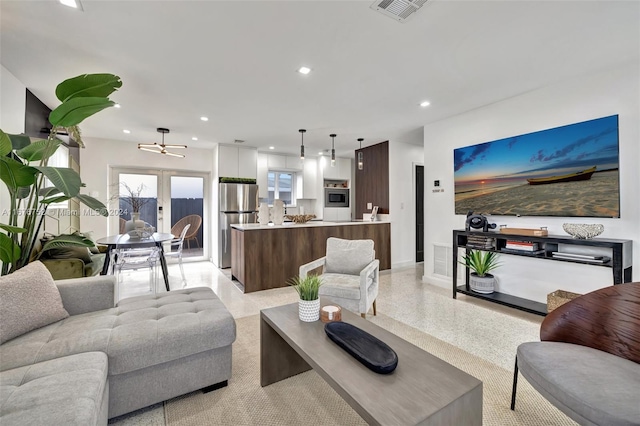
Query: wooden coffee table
x=422 y=390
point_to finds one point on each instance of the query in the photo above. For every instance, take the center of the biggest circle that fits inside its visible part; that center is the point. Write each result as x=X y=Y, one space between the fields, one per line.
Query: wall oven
x=336 y=197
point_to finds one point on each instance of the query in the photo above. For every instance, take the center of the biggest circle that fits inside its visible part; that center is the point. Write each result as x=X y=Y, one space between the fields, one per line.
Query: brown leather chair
x=587 y=363
x=195 y=221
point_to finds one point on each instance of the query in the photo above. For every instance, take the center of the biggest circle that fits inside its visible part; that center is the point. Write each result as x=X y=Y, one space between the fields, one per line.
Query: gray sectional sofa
x=103 y=361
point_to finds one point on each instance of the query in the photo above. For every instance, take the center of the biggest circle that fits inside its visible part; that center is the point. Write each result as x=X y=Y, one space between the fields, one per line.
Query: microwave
x=336 y=197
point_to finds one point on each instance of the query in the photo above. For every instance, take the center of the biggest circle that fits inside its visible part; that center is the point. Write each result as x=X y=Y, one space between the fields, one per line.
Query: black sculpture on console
x=477 y=221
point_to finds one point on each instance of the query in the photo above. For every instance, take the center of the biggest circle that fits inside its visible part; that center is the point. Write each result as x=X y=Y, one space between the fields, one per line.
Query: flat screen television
x=565 y=171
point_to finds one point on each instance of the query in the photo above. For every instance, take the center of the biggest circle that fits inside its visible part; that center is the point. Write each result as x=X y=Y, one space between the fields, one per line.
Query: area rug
x=308 y=399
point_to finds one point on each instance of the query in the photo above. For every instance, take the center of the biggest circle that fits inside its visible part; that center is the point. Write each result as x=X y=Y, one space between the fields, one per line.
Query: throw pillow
x=29 y=299
x=70 y=252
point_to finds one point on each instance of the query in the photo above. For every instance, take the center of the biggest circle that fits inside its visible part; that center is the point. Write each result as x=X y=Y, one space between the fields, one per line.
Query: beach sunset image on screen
x=565 y=171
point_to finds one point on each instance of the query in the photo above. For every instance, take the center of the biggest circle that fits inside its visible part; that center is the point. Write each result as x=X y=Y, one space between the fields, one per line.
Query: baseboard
x=403 y=264
x=437 y=280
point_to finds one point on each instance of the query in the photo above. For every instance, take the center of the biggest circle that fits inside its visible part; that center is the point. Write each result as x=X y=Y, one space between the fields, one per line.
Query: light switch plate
x=369 y=206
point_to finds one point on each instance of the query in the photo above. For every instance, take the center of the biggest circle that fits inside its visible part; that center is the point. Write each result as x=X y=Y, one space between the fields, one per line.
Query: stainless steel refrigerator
x=238 y=203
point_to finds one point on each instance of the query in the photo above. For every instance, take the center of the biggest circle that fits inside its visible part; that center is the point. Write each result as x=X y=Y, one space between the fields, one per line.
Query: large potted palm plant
x=481 y=263
x=23 y=168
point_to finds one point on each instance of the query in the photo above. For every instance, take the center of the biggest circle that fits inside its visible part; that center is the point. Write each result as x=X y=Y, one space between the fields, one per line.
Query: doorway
x=164 y=197
x=419 y=173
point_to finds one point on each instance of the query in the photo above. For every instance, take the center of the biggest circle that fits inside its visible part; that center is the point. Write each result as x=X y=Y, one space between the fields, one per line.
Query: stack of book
x=589 y=258
x=480 y=242
x=527 y=247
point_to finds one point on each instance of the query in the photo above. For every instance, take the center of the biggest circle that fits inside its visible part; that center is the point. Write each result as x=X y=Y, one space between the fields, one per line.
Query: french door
x=163 y=198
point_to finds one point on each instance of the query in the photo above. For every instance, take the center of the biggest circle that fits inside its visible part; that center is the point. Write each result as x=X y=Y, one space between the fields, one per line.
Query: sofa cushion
x=141 y=332
x=29 y=299
x=343 y=286
x=70 y=252
x=64 y=391
x=591 y=386
x=348 y=256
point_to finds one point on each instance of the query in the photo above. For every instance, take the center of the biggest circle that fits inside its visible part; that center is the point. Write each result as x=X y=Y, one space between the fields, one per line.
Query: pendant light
x=162 y=148
x=360 y=159
x=302 y=132
x=333 y=149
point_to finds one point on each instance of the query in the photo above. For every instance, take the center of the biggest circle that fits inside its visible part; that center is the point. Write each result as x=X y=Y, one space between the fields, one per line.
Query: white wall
x=403 y=158
x=100 y=155
x=598 y=95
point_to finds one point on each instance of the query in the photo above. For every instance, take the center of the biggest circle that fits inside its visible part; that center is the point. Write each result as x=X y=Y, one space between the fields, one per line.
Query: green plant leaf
x=481 y=262
x=19 y=141
x=12 y=229
x=23 y=192
x=39 y=150
x=94 y=204
x=48 y=191
x=5 y=144
x=307 y=287
x=88 y=85
x=15 y=174
x=55 y=199
x=9 y=251
x=65 y=179
x=67 y=240
x=73 y=111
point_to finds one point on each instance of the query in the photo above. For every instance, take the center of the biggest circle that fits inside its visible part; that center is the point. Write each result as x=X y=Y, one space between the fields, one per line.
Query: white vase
x=309 y=310
x=277 y=216
x=263 y=214
x=134 y=223
x=484 y=285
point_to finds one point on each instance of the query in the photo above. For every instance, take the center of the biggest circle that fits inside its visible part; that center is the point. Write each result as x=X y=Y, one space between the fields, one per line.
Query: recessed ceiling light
x=425 y=104
x=194 y=138
x=126 y=131
x=320 y=153
x=272 y=147
x=116 y=106
x=204 y=118
x=304 y=70
x=71 y=3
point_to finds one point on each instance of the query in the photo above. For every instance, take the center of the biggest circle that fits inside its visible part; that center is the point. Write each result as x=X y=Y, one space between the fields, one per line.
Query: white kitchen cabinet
x=262 y=179
x=309 y=179
x=277 y=162
x=293 y=163
x=341 y=171
x=336 y=214
x=237 y=162
x=247 y=162
x=227 y=161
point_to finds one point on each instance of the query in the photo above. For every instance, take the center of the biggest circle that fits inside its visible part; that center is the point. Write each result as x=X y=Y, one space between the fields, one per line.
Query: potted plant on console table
x=309 y=303
x=481 y=263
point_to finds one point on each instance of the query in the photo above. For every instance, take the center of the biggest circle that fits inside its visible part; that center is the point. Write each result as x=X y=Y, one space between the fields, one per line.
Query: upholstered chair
x=350 y=274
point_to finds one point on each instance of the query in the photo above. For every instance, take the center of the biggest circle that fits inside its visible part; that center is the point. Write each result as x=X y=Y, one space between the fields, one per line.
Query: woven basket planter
x=559 y=298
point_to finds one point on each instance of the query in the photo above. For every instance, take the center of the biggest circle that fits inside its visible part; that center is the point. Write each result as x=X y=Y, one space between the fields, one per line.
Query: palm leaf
x=9 y=251
x=19 y=141
x=5 y=144
x=12 y=229
x=52 y=200
x=73 y=111
x=15 y=174
x=48 y=191
x=67 y=240
x=39 y=150
x=65 y=179
x=88 y=85
x=94 y=204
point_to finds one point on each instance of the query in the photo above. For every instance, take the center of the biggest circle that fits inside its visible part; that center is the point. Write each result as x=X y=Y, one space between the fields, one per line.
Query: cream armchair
x=350 y=274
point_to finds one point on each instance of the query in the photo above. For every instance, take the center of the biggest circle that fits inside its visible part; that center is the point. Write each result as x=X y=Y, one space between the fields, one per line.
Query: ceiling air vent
x=238 y=141
x=400 y=10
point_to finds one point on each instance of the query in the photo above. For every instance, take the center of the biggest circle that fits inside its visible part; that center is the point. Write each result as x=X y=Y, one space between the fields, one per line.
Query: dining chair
x=175 y=250
x=350 y=274
x=195 y=221
x=133 y=259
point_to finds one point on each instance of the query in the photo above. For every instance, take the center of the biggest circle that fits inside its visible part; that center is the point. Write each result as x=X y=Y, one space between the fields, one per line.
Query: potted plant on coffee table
x=309 y=303
x=481 y=263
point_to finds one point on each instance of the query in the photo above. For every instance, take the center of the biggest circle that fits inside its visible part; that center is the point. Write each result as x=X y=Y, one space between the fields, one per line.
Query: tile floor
x=484 y=329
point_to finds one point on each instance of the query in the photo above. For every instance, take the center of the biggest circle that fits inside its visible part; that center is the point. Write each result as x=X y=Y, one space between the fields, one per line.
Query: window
x=60 y=158
x=281 y=186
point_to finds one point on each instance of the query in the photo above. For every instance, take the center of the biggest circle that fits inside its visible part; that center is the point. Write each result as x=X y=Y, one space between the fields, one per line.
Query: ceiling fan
x=161 y=148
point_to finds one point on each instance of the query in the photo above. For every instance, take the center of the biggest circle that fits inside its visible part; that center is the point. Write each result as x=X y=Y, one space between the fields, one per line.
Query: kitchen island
x=264 y=257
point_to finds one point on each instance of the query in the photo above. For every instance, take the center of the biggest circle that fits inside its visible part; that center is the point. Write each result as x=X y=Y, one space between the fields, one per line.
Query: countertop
x=311 y=224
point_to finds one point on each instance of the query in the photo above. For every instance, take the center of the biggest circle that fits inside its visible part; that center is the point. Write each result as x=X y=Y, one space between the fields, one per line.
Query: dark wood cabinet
x=619 y=258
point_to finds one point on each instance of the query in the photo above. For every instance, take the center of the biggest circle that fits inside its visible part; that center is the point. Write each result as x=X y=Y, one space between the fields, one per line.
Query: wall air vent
x=400 y=10
x=238 y=141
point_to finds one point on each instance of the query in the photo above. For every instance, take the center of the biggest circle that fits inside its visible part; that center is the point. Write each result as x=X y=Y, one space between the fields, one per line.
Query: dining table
x=128 y=241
